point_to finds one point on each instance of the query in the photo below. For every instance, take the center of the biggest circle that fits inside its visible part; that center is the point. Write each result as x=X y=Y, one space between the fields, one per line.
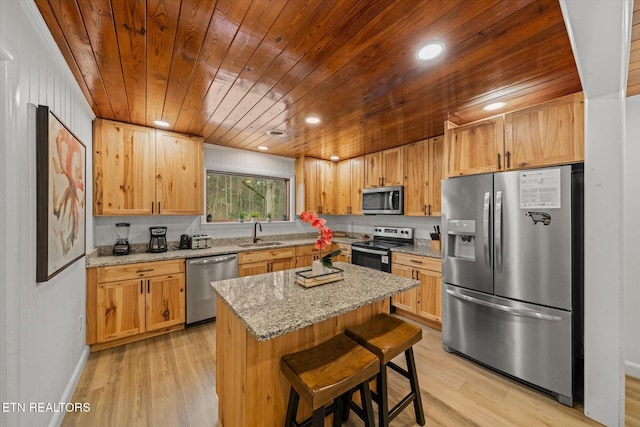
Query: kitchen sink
x=259 y=244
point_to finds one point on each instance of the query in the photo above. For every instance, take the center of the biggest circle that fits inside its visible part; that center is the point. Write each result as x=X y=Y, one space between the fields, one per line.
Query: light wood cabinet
x=179 y=173
x=315 y=185
x=305 y=255
x=144 y=171
x=545 y=135
x=134 y=301
x=436 y=175
x=423 y=303
x=384 y=168
x=345 y=252
x=349 y=183
x=423 y=172
x=266 y=261
x=475 y=148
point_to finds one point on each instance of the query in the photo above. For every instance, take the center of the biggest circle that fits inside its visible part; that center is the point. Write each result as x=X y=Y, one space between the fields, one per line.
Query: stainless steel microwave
x=383 y=201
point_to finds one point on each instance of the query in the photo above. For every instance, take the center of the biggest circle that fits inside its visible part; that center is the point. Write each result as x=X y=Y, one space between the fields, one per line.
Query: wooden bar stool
x=387 y=336
x=324 y=374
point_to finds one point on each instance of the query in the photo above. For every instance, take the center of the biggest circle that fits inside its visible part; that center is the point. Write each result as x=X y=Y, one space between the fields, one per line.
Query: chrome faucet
x=255 y=231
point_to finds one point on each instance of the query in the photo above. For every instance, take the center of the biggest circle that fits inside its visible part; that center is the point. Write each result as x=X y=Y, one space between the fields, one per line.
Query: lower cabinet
x=266 y=261
x=345 y=252
x=134 y=301
x=423 y=303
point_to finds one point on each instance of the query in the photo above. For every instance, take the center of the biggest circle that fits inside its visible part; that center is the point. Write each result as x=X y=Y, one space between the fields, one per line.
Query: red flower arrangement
x=325 y=236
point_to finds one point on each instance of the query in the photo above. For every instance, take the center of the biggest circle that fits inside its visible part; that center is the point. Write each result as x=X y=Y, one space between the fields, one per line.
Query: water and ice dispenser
x=461 y=239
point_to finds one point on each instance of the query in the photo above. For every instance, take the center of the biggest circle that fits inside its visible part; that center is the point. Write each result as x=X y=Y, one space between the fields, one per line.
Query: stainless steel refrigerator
x=512 y=274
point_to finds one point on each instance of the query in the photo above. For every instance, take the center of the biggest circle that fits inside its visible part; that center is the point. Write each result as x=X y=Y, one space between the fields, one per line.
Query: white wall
x=631 y=239
x=602 y=60
x=42 y=340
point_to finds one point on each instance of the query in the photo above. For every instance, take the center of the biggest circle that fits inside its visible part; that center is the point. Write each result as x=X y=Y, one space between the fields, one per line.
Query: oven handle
x=368 y=251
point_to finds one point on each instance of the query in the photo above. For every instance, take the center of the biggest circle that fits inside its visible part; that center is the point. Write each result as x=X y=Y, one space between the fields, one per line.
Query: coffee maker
x=122 y=241
x=158 y=241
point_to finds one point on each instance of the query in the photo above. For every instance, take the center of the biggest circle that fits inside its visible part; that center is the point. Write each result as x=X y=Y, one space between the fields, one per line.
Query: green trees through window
x=231 y=196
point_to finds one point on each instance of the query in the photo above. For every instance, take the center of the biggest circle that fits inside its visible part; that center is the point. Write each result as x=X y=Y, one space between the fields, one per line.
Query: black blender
x=122 y=242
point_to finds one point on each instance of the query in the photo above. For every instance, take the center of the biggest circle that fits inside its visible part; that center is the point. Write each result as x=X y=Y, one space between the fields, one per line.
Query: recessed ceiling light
x=277 y=133
x=312 y=120
x=494 y=106
x=430 y=51
x=161 y=123
x=263 y=148
x=334 y=158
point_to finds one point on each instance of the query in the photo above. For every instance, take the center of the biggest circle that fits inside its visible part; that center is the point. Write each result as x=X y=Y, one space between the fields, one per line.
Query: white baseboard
x=67 y=395
x=632 y=369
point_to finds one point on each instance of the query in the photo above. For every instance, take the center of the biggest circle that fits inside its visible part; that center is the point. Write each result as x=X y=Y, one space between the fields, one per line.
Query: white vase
x=318 y=269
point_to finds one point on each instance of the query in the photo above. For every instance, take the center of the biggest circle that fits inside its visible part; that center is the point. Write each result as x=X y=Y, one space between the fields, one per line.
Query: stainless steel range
x=376 y=253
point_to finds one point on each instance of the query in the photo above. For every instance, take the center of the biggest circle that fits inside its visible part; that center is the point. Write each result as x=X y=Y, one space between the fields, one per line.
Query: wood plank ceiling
x=231 y=70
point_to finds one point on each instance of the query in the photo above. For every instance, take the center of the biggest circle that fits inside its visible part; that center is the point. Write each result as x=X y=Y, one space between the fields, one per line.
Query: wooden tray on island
x=306 y=279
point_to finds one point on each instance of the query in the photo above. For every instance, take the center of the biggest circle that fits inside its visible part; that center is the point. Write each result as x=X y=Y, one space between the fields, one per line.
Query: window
x=233 y=196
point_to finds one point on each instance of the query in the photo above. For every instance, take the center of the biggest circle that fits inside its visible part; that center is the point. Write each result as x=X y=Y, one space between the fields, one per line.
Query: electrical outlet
x=80 y=323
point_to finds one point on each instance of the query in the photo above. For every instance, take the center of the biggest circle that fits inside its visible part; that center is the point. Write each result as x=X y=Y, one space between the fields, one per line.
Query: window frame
x=290 y=182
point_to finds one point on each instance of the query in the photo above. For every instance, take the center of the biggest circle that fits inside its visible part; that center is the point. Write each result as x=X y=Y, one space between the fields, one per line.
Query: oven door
x=376 y=259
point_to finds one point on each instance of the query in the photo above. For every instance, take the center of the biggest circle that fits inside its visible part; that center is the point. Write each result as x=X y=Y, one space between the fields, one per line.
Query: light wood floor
x=169 y=381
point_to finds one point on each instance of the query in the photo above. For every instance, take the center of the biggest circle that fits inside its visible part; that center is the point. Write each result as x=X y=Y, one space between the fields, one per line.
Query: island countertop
x=273 y=304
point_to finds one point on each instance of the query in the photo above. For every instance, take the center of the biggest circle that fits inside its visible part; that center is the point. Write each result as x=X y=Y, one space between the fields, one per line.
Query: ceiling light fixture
x=161 y=123
x=494 y=106
x=430 y=51
x=263 y=148
x=312 y=120
x=334 y=158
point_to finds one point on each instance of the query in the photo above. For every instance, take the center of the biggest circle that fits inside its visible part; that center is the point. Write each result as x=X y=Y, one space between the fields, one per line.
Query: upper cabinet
x=544 y=135
x=384 y=168
x=349 y=183
x=315 y=185
x=475 y=148
x=423 y=165
x=144 y=171
x=548 y=134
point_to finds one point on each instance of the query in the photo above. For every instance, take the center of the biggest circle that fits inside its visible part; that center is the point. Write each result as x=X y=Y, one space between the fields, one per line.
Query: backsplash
x=105 y=229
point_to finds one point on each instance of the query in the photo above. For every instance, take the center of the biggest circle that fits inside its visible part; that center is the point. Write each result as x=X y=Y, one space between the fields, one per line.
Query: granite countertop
x=101 y=257
x=419 y=249
x=272 y=304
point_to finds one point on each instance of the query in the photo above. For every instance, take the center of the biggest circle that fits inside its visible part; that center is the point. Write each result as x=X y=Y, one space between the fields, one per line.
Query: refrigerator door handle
x=511 y=310
x=498 y=231
x=485 y=229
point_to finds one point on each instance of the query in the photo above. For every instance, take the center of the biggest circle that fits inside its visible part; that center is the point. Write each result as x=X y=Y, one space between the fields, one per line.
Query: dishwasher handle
x=208 y=261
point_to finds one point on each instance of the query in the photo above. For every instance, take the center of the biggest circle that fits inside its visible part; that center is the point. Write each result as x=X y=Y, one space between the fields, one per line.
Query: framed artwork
x=60 y=183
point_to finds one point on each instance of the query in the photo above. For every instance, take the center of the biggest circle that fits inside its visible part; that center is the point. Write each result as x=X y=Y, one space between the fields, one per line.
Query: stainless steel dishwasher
x=201 y=298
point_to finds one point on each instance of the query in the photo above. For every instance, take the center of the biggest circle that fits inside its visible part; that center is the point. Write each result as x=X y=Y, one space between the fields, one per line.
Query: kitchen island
x=262 y=317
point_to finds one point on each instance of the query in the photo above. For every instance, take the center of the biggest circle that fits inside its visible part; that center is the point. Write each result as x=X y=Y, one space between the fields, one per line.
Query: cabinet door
x=430 y=298
x=373 y=170
x=343 y=187
x=305 y=260
x=415 y=179
x=476 y=148
x=392 y=160
x=549 y=134
x=357 y=184
x=282 y=264
x=312 y=199
x=165 y=301
x=120 y=309
x=123 y=169
x=407 y=300
x=436 y=174
x=179 y=174
x=326 y=184
x=253 y=268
